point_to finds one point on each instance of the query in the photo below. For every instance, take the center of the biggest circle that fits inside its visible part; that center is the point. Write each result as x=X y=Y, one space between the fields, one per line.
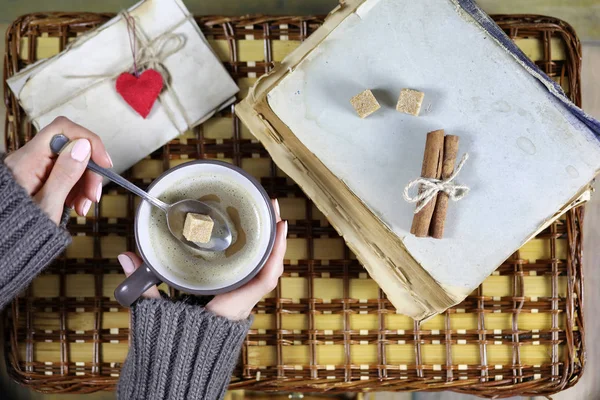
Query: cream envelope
x=79 y=83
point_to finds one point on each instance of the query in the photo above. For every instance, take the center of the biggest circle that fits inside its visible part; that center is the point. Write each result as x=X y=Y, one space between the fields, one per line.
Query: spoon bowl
x=221 y=235
x=220 y=239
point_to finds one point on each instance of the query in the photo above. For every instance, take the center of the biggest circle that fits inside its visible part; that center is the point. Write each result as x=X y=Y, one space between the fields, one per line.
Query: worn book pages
x=531 y=157
x=79 y=83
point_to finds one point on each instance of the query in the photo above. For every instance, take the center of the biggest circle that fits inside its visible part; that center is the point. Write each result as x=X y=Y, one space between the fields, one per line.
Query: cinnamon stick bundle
x=432 y=168
x=441 y=206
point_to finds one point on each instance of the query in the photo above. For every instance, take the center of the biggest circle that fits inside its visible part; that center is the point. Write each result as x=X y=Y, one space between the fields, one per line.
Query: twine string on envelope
x=132 y=42
x=430 y=187
x=147 y=53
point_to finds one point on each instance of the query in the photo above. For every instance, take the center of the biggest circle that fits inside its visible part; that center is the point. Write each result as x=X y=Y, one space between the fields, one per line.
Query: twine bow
x=146 y=53
x=152 y=54
x=430 y=187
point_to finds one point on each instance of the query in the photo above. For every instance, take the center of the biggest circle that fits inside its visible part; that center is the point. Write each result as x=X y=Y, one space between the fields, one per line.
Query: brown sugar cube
x=365 y=103
x=410 y=101
x=198 y=228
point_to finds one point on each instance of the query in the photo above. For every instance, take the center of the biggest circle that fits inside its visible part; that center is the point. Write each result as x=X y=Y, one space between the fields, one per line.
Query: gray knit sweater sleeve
x=179 y=351
x=29 y=239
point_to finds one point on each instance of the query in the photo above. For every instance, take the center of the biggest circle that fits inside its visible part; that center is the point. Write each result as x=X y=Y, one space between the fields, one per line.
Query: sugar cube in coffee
x=198 y=228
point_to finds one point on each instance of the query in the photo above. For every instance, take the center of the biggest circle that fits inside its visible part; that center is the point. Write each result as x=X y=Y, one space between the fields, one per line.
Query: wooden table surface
x=584 y=15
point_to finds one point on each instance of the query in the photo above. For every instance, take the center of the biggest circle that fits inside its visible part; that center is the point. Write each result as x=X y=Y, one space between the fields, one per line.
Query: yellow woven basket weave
x=327 y=326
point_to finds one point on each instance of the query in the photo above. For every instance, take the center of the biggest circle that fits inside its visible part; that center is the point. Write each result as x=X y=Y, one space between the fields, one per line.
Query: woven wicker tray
x=327 y=326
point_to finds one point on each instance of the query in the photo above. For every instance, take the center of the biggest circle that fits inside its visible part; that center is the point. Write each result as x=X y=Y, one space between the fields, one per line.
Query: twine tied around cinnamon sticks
x=436 y=185
x=431 y=187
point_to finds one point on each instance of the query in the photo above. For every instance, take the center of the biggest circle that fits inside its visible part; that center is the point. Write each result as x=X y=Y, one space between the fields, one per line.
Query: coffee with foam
x=214 y=269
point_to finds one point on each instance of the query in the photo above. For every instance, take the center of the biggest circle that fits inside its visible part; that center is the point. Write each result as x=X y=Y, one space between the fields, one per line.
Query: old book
x=532 y=152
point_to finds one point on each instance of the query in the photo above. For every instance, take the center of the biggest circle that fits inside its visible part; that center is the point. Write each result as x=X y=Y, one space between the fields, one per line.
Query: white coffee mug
x=153 y=271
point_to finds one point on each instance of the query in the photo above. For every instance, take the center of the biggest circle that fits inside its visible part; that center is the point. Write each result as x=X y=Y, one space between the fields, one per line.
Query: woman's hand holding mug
x=237 y=304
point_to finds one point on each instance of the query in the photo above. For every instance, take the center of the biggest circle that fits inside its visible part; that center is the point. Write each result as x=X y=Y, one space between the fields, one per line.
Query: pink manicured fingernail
x=126 y=263
x=285 y=229
x=86 y=206
x=99 y=192
x=109 y=160
x=277 y=210
x=81 y=150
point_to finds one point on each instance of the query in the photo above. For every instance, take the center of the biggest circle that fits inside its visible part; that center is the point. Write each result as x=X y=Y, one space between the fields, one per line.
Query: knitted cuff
x=179 y=351
x=29 y=239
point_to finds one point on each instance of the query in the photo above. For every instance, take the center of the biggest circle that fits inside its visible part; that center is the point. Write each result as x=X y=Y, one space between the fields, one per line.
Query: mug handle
x=135 y=285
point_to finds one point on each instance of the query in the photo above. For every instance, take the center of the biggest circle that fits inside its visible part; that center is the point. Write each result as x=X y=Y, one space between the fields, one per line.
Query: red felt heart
x=140 y=92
